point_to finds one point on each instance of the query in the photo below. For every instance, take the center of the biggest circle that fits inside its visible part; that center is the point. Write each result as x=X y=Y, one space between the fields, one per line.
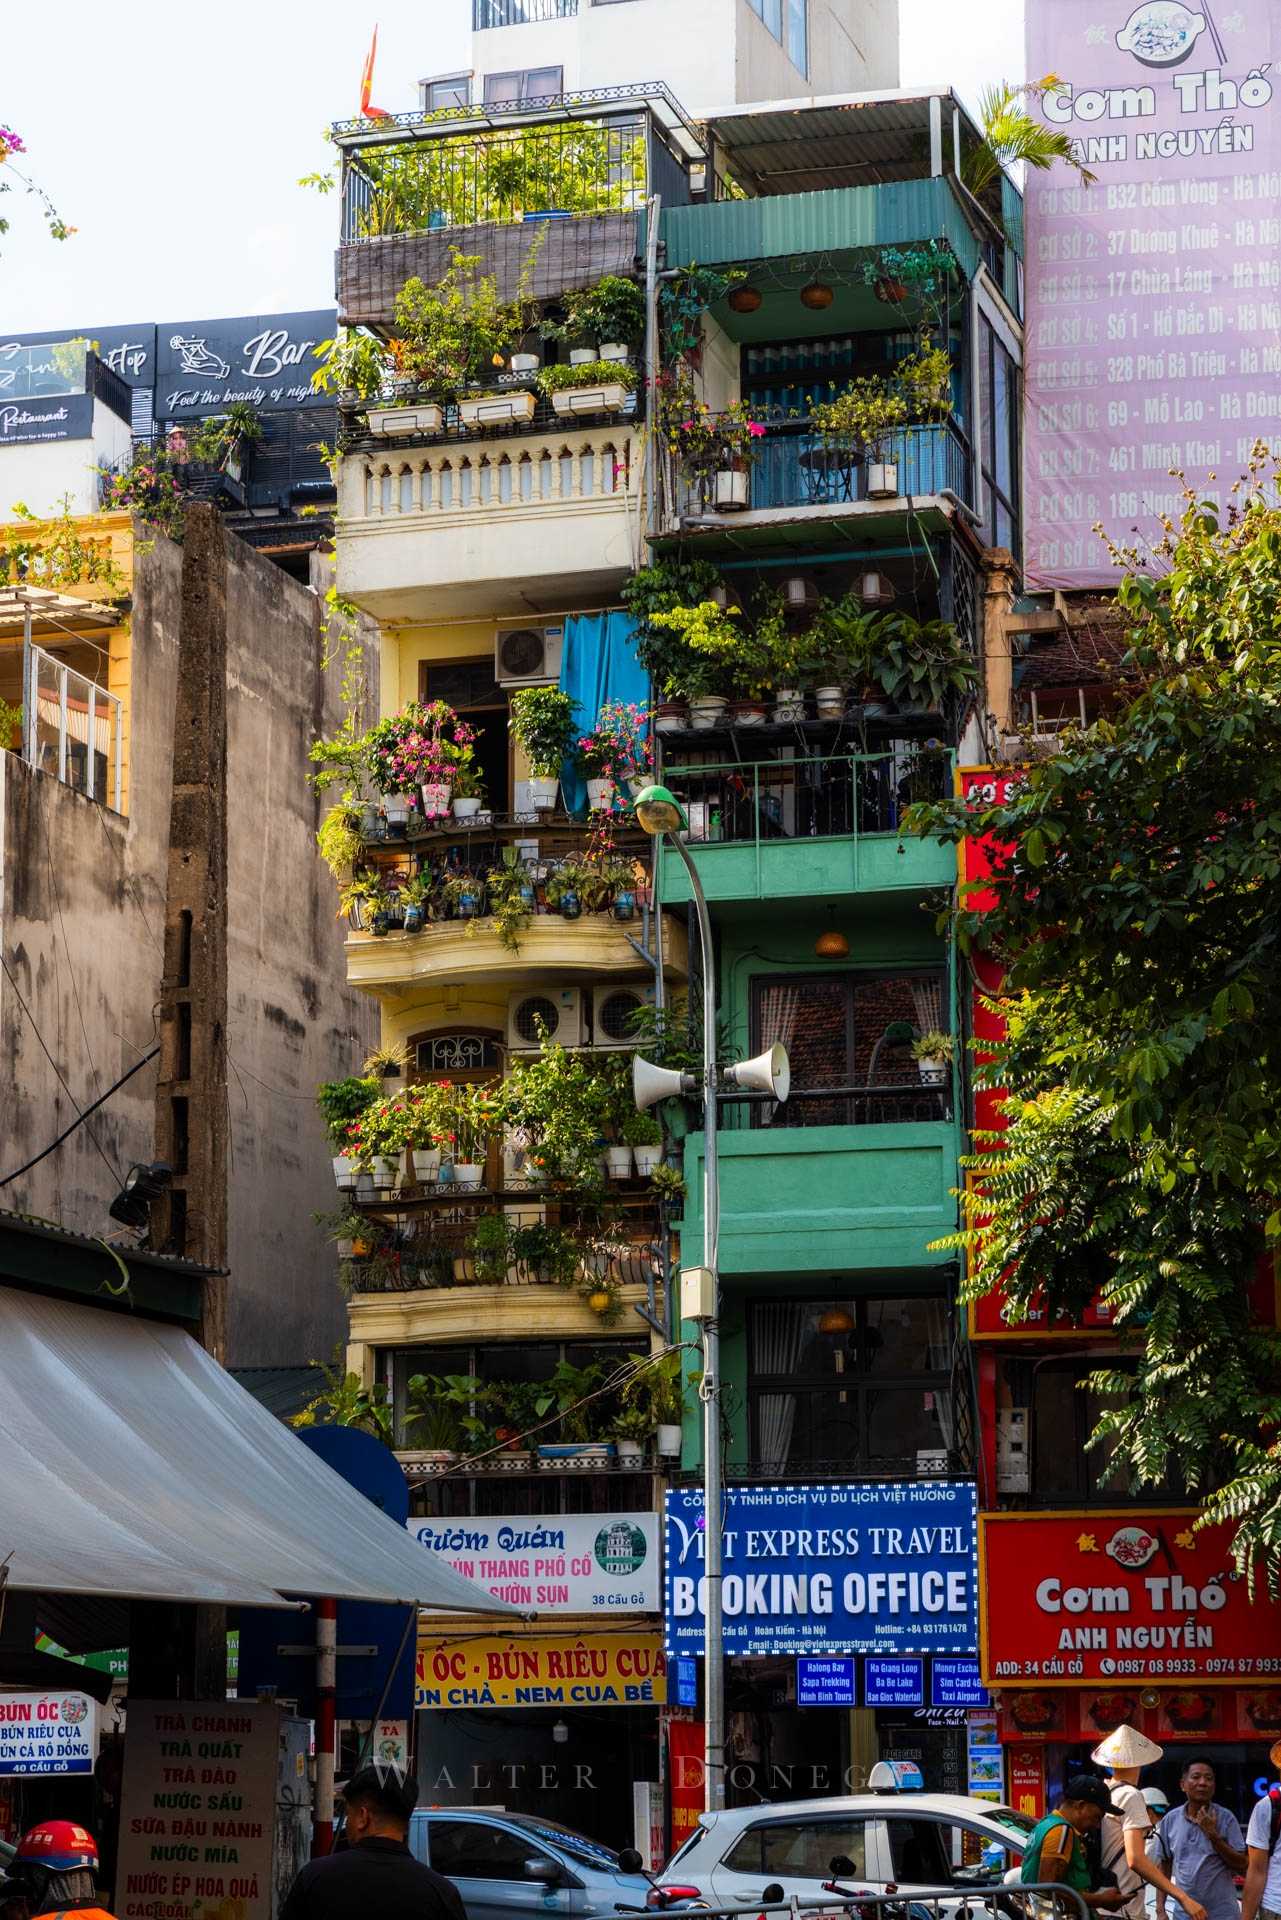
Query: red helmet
x=61 y=1845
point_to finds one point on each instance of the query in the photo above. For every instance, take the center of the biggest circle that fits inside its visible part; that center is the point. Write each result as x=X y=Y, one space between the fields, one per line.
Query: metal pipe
x=710 y=1392
x=322 y=1826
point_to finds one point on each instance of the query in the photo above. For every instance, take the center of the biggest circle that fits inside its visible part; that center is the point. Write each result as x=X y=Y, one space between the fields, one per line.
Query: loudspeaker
x=650 y=1084
x=770 y=1072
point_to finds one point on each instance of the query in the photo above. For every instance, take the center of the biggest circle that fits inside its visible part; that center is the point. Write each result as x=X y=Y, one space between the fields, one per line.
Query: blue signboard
x=956 y=1683
x=864 y=1568
x=825 y=1683
x=682 y=1680
x=893 y=1683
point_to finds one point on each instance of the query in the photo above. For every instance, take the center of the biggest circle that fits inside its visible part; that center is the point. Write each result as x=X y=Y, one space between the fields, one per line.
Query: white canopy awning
x=133 y=1465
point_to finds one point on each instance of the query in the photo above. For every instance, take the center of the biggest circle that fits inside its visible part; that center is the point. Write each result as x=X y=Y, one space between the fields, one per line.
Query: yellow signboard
x=542 y=1670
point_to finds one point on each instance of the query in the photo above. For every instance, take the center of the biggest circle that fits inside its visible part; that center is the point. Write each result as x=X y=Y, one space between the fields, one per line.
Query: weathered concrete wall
x=291 y=1018
x=81 y=921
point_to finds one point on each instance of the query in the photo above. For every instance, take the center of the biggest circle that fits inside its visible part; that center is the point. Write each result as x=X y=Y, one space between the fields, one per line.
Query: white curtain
x=927 y=998
x=780 y=1012
x=939 y=1358
x=779 y=1335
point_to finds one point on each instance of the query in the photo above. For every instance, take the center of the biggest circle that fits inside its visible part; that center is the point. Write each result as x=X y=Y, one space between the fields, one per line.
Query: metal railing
x=761 y=800
x=796 y=466
x=519 y=13
x=973 y=1894
x=868 y=1106
x=72 y=728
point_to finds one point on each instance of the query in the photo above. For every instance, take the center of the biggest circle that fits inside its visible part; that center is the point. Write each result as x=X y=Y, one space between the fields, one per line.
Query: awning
x=135 y=1466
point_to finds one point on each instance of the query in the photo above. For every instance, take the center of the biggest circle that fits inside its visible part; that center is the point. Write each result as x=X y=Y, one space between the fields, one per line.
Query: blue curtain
x=599 y=664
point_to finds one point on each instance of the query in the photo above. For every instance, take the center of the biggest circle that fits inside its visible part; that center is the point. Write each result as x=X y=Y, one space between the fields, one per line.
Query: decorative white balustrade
x=557 y=467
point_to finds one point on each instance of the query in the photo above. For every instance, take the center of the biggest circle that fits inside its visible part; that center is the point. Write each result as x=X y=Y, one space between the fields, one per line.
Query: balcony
x=810 y=829
x=543 y=519
x=555 y=189
x=519 y=13
x=829 y=1199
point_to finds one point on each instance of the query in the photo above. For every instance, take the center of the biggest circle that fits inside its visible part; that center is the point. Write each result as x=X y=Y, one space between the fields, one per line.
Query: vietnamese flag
x=366 y=84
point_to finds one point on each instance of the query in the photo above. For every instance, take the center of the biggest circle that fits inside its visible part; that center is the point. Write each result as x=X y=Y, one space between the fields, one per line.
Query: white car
x=895 y=1842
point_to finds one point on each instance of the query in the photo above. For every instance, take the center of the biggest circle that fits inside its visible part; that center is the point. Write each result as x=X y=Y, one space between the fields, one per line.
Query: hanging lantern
x=744 y=299
x=832 y=945
x=816 y=295
x=800 y=593
x=836 y=1320
x=875 y=590
x=599 y=1301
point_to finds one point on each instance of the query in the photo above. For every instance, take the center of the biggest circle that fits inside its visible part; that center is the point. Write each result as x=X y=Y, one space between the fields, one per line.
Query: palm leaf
x=1011 y=134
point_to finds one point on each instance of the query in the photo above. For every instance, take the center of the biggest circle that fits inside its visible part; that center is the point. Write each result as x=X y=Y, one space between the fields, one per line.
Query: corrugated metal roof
x=284 y=1391
x=802 y=148
x=842 y=219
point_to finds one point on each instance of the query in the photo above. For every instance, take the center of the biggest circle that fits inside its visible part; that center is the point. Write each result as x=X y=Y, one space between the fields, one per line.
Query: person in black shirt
x=376 y=1877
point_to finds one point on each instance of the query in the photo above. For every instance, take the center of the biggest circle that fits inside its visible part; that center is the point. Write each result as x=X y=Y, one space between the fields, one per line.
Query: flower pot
x=435 y=795
x=525 y=363
x=583 y=356
x=614 y=350
x=624 y=907
x=426 y=1165
x=467 y=807
x=364 y=1184
x=731 y=490
x=497 y=409
x=391 y=421
x=618 y=1162
x=596 y=1453
x=345 y=1249
x=571 y=907
x=431 y=1459
x=467 y=1173
x=380 y=923
x=668 y=1440
x=882 y=480
x=829 y=703
x=468 y=906
x=413 y=919
x=748 y=713
x=671 y=717
x=397 y=808
x=789 y=704
x=371 y=821
x=385 y=1171
x=647 y=1158
x=542 y=791
x=344 y=1173
x=389 y=1084
x=932 y=1069
x=600 y=795
x=707 y=711
x=356 y=916
x=607 y=398
x=631 y=1453
x=891 y=292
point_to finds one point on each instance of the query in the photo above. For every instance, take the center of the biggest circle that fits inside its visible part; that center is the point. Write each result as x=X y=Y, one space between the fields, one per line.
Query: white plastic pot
x=618 y=1162
x=497 y=409
x=385 y=1171
x=707 y=711
x=647 y=1158
x=671 y=717
x=630 y=1453
x=525 y=363
x=731 y=490
x=882 y=480
x=344 y=1173
x=583 y=356
x=789 y=704
x=436 y=798
x=426 y=1165
x=668 y=1441
x=600 y=794
x=607 y=398
x=614 y=350
x=932 y=1068
x=391 y=421
x=829 y=702
x=467 y=807
x=542 y=791
x=396 y=808
x=467 y=1173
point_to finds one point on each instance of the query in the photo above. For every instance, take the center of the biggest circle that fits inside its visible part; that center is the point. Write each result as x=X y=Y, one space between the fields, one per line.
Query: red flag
x=366 y=84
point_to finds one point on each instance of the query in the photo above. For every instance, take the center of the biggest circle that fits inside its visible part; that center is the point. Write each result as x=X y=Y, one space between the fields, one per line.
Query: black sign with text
x=202 y=366
x=128 y=351
x=59 y=416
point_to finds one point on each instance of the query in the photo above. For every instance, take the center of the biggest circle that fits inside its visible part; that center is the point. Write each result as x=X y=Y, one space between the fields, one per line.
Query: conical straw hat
x=1125 y=1746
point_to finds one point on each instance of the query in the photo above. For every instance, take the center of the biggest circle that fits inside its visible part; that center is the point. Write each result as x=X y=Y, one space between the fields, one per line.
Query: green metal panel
x=811 y=869
x=40 y=1257
x=827 y=1199
x=781 y=225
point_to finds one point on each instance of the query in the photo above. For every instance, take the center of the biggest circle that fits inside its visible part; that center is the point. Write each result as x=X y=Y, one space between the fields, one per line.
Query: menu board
x=1153 y=296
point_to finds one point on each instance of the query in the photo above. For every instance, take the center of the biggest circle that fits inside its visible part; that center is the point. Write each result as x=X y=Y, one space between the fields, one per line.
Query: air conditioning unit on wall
x=612 y=1010
x=524 y=656
x=557 y=1010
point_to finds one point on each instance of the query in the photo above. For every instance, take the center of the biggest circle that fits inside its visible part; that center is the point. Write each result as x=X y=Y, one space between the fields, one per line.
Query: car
x=508 y=1864
x=901 y=1842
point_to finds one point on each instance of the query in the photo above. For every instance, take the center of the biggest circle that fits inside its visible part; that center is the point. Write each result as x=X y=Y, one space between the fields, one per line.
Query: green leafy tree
x=1012 y=134
x=1137 y=918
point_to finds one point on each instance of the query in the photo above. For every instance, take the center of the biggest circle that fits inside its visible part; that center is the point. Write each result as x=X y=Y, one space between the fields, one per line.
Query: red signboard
x=1026 y=1780
x=1126 y=1598
x=685 y=1772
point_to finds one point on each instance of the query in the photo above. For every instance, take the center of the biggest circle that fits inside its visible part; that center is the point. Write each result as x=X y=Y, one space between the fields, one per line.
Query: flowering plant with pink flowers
x=418 y=747
x=702 y=440
x=618 y=747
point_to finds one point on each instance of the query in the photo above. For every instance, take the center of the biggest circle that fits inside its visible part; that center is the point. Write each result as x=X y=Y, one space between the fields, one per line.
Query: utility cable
x=67 y=1131
x=56 y=1068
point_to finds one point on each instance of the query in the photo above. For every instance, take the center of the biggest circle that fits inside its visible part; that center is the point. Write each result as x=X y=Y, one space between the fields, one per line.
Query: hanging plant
x=684 y=300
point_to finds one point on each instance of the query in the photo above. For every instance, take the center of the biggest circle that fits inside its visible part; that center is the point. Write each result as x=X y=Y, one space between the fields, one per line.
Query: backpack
x=1274 y=1795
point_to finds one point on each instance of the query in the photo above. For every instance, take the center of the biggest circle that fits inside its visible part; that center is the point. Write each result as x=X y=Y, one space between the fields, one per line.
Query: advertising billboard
x=1153 y=296
x=558 y=1563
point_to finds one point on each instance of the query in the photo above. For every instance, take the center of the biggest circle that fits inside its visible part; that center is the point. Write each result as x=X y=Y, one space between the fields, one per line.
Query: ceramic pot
x=542 y=791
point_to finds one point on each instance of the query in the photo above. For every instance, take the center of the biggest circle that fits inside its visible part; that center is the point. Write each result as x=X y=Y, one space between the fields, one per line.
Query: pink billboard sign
x=1153 y=297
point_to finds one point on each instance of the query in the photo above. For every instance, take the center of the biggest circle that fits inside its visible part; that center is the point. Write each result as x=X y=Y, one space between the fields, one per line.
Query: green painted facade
x=811 y=869
x=840 y=220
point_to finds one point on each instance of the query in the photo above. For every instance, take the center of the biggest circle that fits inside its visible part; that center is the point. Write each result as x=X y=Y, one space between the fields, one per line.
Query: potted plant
x=933 y=1053
x=631 y=1427
x=620 y=876
x=451 y=336
x=353 y=365
x=465 y=894
x=657 y=1392
x=491 y=1248
x=475 y=1116
x=615 y=751
x=515 y=1405
x=542 y=725
x=341 y=1102
x=856 y=424
x=415 y=901
x=432 y=1424
x=644 y=1135
x=427 y=1111
x=715 y=450
x=918 y=663
x=592 y=386
x=711 y=639
x=564 y=888
x=569 y=1393
x=356 y=900
x=840 y=643
x=607 y=320
x=468 y=790
x=387 y=1065
x=618 y=1159
x=220 y=440
x=511 y=898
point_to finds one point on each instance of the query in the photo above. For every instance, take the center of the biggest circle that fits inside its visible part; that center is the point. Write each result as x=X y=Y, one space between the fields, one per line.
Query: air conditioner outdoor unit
x=612 y=1010
x=557 y=1010
x=523 y=656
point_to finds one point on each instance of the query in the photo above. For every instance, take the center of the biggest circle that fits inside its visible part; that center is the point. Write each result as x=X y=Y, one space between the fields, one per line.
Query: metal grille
x=457 y=1053
x=615 y=1016
x=532 y=1015
x=795 y=466
x=519 y=13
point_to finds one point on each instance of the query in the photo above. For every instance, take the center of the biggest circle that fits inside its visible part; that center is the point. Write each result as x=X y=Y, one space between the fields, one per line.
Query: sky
x=172 y=139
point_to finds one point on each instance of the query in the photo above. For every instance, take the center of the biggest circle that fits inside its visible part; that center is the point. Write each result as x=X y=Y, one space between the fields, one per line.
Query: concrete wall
x=41 y=474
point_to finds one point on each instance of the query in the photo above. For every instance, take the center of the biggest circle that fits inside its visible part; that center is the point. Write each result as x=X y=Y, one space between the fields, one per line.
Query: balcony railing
x=519 y=13
x=72 y=728
x=798 y=467
x=890 y=1104
x=816 y=798
x=555 y=468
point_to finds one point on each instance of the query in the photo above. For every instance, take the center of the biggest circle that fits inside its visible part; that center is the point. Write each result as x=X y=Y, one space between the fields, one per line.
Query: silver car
x=506 y=1865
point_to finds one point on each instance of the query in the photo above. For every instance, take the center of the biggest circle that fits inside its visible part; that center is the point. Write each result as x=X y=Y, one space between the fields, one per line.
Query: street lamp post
x=660 y=813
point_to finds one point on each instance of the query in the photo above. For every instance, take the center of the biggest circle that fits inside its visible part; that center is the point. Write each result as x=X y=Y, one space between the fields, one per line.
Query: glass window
x=1065 y=1412
x=533 y=83
x=473 y=1850
x=798 y=35
x=455 y=92
x=801 y=1849
x=771 y=12
x=849 y=1039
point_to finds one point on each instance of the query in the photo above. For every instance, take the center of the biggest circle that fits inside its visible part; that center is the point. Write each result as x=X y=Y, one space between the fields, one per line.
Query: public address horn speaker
x=770 y=1072
x=650 y=1084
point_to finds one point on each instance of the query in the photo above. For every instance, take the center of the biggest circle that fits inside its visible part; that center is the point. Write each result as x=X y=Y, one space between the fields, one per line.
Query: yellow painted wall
x=405 y=647
x=448 y=1006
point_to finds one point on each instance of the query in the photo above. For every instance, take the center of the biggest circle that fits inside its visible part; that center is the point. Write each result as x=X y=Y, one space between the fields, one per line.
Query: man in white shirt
x=1126 y=1752
x=1262 y=1892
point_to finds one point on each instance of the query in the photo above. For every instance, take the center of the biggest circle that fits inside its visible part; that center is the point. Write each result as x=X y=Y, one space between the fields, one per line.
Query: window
x=801 y=1850
x=439 y=94
x=532 y=83
x=458 y=1056
x=72 y=725
x=934 y=1853
x=998 y=381
x=1065 y=1412
x=473 y=1850
x=788 y=21
x=844 y=1384
x=849 y=1039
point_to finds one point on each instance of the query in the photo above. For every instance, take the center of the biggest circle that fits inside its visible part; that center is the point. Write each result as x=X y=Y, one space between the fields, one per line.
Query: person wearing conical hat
x=1125 y=1753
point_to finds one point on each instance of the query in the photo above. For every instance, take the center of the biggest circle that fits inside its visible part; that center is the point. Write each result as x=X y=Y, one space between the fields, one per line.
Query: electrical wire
x=53 y=1063
x=8 y=1178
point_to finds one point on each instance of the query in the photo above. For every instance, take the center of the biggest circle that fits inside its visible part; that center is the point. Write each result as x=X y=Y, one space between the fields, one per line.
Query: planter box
x=497 y=409
x=596 y=1453
x=605 y=399
x=427 y=418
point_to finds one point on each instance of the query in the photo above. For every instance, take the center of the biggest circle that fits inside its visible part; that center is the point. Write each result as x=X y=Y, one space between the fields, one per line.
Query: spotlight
x=143 y=1184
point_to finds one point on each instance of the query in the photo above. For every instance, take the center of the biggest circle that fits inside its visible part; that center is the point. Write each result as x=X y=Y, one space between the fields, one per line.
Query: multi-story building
x=495 y=554
x=720 y=51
